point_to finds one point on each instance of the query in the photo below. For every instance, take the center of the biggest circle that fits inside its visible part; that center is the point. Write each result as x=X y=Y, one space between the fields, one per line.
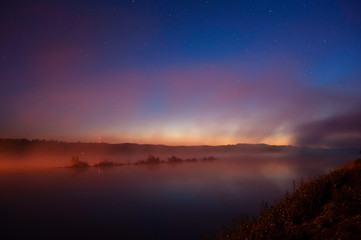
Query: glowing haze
x=181 y=72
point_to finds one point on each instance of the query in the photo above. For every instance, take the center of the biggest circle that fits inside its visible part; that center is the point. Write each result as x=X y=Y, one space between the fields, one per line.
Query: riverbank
x=326 y=207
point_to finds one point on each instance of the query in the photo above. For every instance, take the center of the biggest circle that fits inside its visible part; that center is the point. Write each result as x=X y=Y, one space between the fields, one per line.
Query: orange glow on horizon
x=197 y=141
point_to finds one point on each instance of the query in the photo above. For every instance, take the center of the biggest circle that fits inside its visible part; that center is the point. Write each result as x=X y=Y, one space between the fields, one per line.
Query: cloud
x=341 y=131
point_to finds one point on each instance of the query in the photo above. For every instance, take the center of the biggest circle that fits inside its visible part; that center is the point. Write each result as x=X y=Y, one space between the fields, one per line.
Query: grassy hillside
x=327 y=207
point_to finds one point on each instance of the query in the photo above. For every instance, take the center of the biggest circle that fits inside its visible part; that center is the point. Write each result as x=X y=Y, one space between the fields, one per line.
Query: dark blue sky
x=179 y=72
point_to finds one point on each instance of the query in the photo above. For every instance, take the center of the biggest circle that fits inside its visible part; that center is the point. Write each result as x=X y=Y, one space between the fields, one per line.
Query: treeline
x=51 y=146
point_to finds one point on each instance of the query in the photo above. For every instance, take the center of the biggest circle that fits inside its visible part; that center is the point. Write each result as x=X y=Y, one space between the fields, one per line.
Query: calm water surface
x=165 y=201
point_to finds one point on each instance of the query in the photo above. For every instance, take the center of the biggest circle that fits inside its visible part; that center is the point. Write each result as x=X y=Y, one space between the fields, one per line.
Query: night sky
x=182 y=72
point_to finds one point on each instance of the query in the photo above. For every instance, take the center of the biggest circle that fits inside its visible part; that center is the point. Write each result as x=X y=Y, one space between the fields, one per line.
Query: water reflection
x=75 y=172
x=163 y=201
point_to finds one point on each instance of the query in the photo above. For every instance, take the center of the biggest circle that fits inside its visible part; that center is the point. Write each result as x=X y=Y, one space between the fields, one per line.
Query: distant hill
x=25 y=146
x=327 y=207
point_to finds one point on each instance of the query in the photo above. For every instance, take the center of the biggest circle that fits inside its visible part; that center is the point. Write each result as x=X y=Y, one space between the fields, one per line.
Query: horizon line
x=155 y=144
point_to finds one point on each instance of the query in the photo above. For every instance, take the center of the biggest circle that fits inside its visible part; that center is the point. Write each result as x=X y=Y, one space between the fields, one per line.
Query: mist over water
x=165 y=201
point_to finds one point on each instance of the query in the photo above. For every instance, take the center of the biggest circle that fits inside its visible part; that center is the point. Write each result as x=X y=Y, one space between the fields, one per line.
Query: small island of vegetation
x=173 y=160
x=76 y=163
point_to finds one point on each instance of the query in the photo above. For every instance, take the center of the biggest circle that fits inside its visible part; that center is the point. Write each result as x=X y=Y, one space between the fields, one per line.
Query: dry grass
x=327 y=207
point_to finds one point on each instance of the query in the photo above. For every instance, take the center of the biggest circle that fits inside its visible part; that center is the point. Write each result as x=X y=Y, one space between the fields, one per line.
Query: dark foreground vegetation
x=327 y=207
